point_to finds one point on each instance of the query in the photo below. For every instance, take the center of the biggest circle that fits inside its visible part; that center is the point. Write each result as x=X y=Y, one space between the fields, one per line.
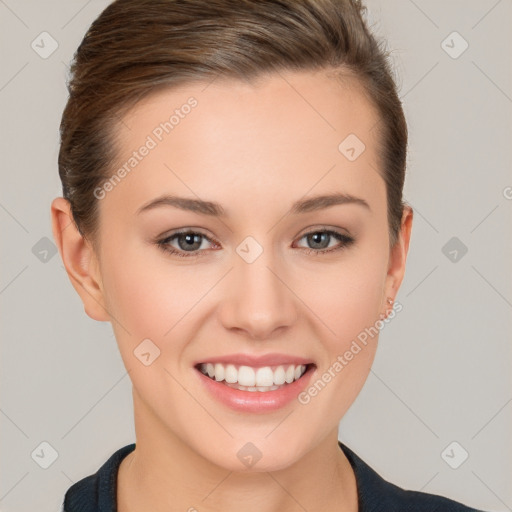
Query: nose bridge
x=259 y=301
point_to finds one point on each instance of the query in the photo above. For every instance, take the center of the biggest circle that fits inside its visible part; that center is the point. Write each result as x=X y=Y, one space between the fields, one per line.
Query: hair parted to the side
x=136 y=47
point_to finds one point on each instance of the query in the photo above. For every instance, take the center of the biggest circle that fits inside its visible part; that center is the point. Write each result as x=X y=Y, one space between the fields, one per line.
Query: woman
x=232 y=177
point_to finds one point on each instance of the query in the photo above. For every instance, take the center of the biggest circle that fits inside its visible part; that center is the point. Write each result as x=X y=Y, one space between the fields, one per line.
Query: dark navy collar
x=98 y=492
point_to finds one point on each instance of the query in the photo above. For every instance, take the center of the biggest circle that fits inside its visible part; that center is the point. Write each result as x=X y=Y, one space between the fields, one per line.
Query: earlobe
x=79 y=260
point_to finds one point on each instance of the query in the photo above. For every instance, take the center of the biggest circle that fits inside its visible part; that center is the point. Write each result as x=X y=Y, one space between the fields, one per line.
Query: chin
x=257 y=456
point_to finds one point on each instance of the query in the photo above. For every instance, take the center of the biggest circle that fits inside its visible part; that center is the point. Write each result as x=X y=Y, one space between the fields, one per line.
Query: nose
x=258 y=300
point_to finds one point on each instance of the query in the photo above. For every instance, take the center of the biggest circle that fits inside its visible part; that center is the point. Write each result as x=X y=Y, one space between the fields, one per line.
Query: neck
x=163 y=473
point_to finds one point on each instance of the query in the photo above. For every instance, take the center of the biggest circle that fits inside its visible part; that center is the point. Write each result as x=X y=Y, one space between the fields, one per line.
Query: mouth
x=254 y=388
x=261 y=379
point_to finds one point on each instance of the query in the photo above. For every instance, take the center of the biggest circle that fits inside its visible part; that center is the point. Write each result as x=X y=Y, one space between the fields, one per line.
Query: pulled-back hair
x=136 y=47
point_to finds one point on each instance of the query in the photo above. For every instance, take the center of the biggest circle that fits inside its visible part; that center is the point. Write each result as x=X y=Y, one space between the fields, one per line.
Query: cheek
x=142 y=288
x=346 y=297
x=348 y=309
x=139 y=300
x=149 y=300
x=347 y=302
x=145 y=297
x=156 y=299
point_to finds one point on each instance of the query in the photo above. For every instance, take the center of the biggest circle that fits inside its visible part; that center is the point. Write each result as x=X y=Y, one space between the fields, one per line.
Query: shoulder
x=98 y=491
x=378 y=495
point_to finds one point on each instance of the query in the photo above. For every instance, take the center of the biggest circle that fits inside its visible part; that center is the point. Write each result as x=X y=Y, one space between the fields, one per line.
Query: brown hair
x=136 y=47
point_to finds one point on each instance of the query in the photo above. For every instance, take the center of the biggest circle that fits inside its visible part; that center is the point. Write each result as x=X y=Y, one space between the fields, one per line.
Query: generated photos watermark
x=342 y=360
x=156 y=136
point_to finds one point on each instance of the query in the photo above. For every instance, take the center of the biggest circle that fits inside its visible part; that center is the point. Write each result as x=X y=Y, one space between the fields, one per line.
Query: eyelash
x=345 y=239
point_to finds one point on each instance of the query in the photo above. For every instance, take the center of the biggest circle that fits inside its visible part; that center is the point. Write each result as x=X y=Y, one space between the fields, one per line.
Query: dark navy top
x=98 y=492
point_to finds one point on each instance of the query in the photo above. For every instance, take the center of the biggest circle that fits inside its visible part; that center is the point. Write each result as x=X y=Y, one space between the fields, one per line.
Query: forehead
x=286 y=134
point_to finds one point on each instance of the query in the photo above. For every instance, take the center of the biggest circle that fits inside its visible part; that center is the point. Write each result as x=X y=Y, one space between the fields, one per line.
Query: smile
x=257 y=388
x=247 y=378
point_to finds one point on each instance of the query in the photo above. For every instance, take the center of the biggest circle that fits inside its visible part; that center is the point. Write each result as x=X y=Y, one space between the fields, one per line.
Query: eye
x=320 y=240
x=188 y=241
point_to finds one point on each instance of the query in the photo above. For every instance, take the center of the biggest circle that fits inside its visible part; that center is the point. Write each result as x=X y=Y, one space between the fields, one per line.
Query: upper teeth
x=248 y=376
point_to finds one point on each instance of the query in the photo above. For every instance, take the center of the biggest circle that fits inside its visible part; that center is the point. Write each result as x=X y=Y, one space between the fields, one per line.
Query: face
x=268 y=274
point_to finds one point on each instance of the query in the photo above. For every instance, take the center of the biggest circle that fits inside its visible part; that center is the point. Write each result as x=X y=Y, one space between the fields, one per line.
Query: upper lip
x=256 y=361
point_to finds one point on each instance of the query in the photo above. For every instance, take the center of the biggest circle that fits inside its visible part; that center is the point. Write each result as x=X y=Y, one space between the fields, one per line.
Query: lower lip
x=256 y=401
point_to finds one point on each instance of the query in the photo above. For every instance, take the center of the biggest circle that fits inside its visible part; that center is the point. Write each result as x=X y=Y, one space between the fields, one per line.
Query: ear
x=80 y=260
x=398 y=257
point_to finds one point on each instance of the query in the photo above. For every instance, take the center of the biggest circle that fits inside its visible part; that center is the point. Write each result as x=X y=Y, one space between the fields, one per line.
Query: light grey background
x=443 y=368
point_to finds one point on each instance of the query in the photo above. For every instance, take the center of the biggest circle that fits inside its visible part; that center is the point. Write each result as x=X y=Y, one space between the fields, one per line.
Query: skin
x=255 y=149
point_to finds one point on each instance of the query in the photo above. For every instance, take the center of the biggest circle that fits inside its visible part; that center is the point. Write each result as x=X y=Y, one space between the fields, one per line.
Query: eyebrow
x=216 y=210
